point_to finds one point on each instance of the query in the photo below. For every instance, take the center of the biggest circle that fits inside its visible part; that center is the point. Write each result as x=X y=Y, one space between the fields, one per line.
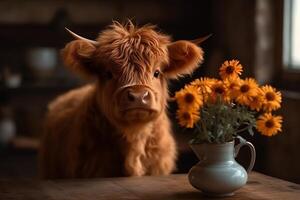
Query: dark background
x=239 y=28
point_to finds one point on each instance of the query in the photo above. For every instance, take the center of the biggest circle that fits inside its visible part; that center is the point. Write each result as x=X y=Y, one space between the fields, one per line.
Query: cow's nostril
x=130 y=96
x=137 y=98
x=146 y=97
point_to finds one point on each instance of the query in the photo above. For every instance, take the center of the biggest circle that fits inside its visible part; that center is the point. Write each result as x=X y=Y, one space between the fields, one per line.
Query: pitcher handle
x=252 y=149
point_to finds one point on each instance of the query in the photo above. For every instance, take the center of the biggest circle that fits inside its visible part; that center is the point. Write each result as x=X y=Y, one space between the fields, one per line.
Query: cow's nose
x=140 y=97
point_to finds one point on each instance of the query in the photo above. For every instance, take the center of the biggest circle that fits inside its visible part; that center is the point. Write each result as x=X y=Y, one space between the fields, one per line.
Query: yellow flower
x=271 y=98
x=247 y=90
x=268 y=124
x=189 y=98
x=230 y=69
x=219 y=89
x=187 y=119
x=232 y=84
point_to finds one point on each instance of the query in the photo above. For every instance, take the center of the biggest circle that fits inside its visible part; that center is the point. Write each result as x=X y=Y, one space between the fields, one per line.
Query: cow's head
x=132 y=66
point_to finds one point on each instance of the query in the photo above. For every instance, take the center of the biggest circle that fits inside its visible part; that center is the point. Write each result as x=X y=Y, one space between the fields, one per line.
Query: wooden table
x=164 y=187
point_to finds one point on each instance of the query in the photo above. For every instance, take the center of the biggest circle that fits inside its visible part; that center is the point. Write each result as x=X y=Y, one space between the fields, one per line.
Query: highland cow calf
x=117 y=125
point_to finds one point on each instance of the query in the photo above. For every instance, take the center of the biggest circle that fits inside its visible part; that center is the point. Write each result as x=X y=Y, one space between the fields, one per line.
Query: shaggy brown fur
x=88 y=131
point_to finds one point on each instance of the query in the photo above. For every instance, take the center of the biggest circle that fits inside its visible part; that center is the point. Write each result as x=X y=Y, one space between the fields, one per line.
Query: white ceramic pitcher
x=218 y=173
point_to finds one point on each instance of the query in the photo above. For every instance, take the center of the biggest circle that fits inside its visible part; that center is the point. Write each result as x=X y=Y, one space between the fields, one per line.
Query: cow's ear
x=184 y=58
x=77 y=56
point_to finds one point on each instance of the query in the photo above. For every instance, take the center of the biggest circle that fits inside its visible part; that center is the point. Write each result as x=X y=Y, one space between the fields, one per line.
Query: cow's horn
x=200 y=40
x=81 y=38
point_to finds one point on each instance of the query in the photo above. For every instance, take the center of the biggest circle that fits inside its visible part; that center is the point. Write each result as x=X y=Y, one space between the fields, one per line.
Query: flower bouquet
x=219 y=110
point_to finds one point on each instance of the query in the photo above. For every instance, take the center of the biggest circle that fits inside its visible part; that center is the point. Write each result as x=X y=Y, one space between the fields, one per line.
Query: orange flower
x=187 y=118
x=219 y=89
x=247 y=90
x=204 y=84
x=268 y=124
x=256 y=102
x=189 y=98
x=230 y=69
x=271 y=98
x=232 y=84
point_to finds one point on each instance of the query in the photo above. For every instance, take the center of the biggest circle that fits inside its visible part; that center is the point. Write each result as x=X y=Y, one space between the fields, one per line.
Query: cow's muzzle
x=137 y=100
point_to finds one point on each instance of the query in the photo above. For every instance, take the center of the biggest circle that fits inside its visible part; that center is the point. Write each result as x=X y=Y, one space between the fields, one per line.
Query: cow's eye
x=156 y=73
